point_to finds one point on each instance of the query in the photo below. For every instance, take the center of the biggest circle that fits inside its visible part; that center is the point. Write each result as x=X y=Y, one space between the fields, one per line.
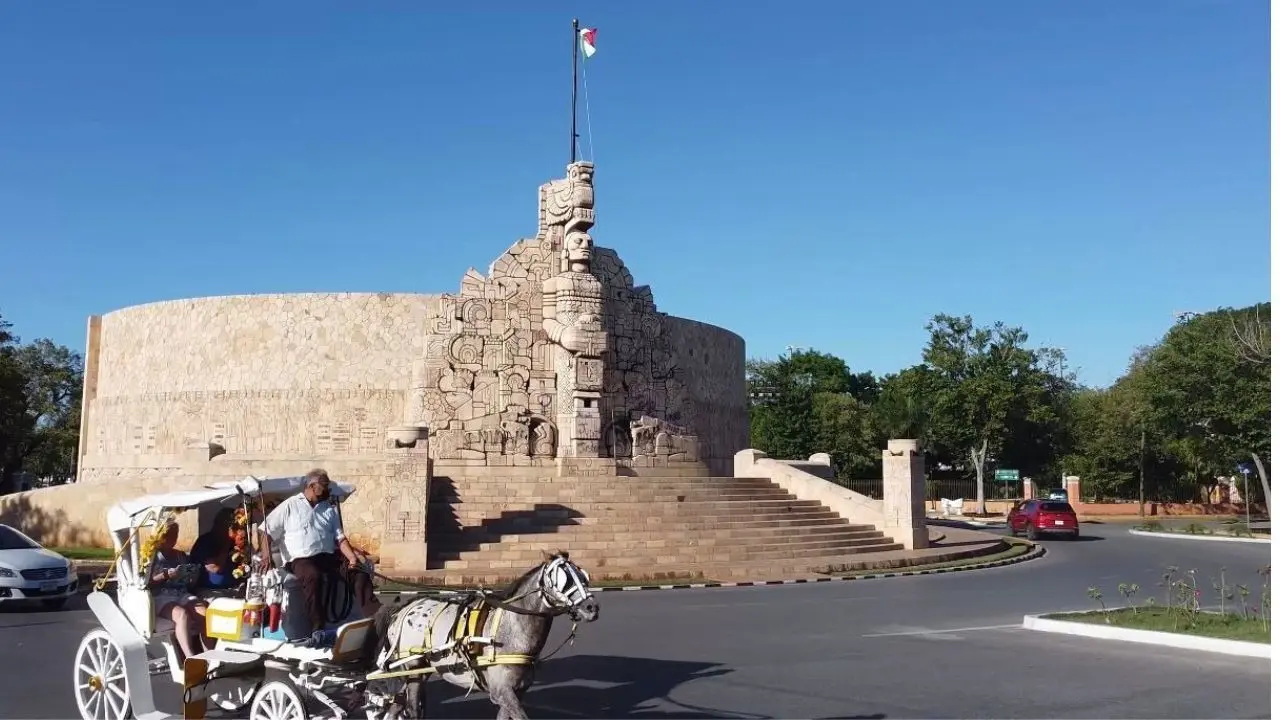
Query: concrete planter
x=1148 y=637
x=1191 y=536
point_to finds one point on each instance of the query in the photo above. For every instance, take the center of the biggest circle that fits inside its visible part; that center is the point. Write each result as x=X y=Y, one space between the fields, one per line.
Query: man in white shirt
x=310 y=529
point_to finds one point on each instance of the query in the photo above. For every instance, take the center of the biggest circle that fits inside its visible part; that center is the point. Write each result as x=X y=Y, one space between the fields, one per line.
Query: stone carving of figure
x=659 y=438
x=544 y=439
x=572 y=313
x=515 y=440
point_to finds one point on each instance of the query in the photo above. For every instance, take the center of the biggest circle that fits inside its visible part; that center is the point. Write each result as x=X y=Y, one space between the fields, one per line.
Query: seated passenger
x=171 y=581
x=213 y=551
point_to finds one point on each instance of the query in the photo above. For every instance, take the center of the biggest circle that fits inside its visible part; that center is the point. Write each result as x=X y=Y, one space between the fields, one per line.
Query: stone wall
x=309 y=374
x=386 y=515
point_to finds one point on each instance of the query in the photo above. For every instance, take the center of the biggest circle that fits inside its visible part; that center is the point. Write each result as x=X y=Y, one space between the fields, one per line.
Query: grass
x=1226 y=626
x=1016 y=549
x=84 y=553
x=1236 y=530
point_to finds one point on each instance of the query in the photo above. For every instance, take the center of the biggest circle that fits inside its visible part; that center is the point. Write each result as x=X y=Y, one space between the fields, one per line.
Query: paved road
x=944 y=646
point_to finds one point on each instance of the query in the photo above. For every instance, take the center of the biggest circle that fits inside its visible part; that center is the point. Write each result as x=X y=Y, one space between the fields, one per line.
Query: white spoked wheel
x=102 y=690
x=277 y=700
x=231 y=695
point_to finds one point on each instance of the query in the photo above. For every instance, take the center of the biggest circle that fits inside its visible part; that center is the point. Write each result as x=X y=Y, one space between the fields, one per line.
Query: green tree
x=1209 y=397
x=808 y=402
x=901 y=407
x=844 y=427
x=782 y=421
x=986 y=388
x=40 y=390
x=54 y=377
x=15 y=420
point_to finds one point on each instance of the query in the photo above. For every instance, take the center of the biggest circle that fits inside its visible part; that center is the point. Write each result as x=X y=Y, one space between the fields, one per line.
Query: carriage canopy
x=124 y=514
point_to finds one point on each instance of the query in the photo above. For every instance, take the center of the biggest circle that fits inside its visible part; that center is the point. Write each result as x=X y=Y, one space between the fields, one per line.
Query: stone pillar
x=92 y=352
x=406 y=481
x=904 y=514
x=1072 y=484
x=1028 y=489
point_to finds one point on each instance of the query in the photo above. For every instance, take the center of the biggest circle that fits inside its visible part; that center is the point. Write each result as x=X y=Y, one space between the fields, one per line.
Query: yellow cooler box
x=232 y=620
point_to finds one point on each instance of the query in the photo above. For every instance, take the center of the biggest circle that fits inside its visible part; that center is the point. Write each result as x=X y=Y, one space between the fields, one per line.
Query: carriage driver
x=310 y=528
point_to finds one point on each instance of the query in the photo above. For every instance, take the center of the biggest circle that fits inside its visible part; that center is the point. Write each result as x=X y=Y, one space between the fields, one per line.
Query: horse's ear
x=547 y=556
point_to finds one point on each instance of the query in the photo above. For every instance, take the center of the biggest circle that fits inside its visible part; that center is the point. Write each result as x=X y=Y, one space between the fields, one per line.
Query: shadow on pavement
x=33 y=607
x=601 y=686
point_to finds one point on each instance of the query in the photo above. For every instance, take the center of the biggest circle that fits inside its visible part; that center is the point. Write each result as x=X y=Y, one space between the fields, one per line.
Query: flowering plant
x=239 y=535
x=151 y=545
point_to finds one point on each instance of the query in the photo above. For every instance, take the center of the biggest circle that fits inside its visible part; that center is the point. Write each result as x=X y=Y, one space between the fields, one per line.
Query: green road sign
x=1007 y=476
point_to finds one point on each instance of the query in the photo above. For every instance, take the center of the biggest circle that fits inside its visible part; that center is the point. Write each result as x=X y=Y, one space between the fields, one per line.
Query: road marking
x=942 y=632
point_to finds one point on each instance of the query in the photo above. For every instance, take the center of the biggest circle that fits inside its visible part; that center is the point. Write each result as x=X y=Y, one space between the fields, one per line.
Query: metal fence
x=949 y=488
x=967 y=489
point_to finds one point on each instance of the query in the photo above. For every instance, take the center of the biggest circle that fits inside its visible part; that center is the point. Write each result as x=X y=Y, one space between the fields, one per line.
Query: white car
x=30 y=573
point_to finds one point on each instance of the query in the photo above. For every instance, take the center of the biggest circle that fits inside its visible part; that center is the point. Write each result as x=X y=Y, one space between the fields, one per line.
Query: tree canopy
x=1190 y=409
x=40 y=389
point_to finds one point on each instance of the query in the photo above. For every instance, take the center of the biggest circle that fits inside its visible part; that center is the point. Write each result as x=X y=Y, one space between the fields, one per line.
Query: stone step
x=454 y=546
x=544 y=496
x=605 y=481
x=594 y=533
x=660 y=548
x=638 y=562
x=594 y=482
x=655 y=574
x=525 y=524
x=651 y=518
x=595 y=507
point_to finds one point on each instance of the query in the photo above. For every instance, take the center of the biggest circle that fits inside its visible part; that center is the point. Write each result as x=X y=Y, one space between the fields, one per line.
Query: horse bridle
x=563 y=596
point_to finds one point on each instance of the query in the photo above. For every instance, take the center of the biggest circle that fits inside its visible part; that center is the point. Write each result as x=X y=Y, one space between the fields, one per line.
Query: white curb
x=1192 y=536
x=1148 y=637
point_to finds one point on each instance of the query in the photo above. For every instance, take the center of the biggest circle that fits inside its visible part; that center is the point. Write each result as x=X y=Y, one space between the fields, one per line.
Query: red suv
x=1044 y=517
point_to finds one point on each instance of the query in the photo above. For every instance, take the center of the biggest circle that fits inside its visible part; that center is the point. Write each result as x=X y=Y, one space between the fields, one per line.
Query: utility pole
x=1142 y=472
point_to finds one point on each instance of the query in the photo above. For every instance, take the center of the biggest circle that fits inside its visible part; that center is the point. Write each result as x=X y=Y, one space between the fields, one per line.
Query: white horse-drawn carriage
x=268 y=665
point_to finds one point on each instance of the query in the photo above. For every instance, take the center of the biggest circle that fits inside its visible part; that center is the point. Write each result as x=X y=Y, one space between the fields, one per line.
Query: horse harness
x=475 y=625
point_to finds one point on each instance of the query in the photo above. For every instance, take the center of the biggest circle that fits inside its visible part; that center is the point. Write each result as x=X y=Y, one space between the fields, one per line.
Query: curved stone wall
x=713 y=361
x=300 y=374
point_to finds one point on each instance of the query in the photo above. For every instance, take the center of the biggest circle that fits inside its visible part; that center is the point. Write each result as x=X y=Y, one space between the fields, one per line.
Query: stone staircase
x=491 y=530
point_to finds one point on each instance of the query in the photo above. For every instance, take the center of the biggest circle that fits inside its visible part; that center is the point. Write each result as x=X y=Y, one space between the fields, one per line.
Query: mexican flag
x=588 y=37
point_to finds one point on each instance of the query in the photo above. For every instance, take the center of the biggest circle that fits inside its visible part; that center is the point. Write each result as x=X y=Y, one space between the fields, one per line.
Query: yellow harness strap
x=482 y=620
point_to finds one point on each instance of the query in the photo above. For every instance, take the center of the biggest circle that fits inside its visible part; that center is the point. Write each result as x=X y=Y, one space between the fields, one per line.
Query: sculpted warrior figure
x=572 y=314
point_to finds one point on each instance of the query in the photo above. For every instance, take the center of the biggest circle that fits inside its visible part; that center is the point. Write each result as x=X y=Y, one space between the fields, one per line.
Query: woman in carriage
x=172 y=580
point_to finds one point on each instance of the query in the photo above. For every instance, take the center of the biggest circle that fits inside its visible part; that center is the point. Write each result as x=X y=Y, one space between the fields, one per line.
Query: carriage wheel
x=277 y=700
x=102 y=690
x=232 y=698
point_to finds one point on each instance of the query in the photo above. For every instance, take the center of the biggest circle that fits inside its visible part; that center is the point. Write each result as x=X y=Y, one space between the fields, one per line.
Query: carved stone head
x=577 y=250
x=582 y=185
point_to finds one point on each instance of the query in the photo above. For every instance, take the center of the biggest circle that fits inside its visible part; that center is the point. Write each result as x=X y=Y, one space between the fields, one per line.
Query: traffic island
x=1236 y=532
x=1208 y=612
x=1226 y=633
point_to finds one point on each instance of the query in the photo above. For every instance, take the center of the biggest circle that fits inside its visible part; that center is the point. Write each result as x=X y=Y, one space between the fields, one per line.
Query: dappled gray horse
x=486 y=641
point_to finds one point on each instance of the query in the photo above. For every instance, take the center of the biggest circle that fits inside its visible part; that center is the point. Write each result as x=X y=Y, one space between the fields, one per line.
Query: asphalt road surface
x=944 y=646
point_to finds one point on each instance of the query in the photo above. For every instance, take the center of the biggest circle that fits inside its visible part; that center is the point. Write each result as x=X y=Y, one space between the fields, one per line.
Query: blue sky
x=825 y=174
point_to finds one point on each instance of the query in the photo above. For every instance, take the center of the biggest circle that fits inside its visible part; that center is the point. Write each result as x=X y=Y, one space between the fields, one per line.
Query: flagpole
x=573 y=122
